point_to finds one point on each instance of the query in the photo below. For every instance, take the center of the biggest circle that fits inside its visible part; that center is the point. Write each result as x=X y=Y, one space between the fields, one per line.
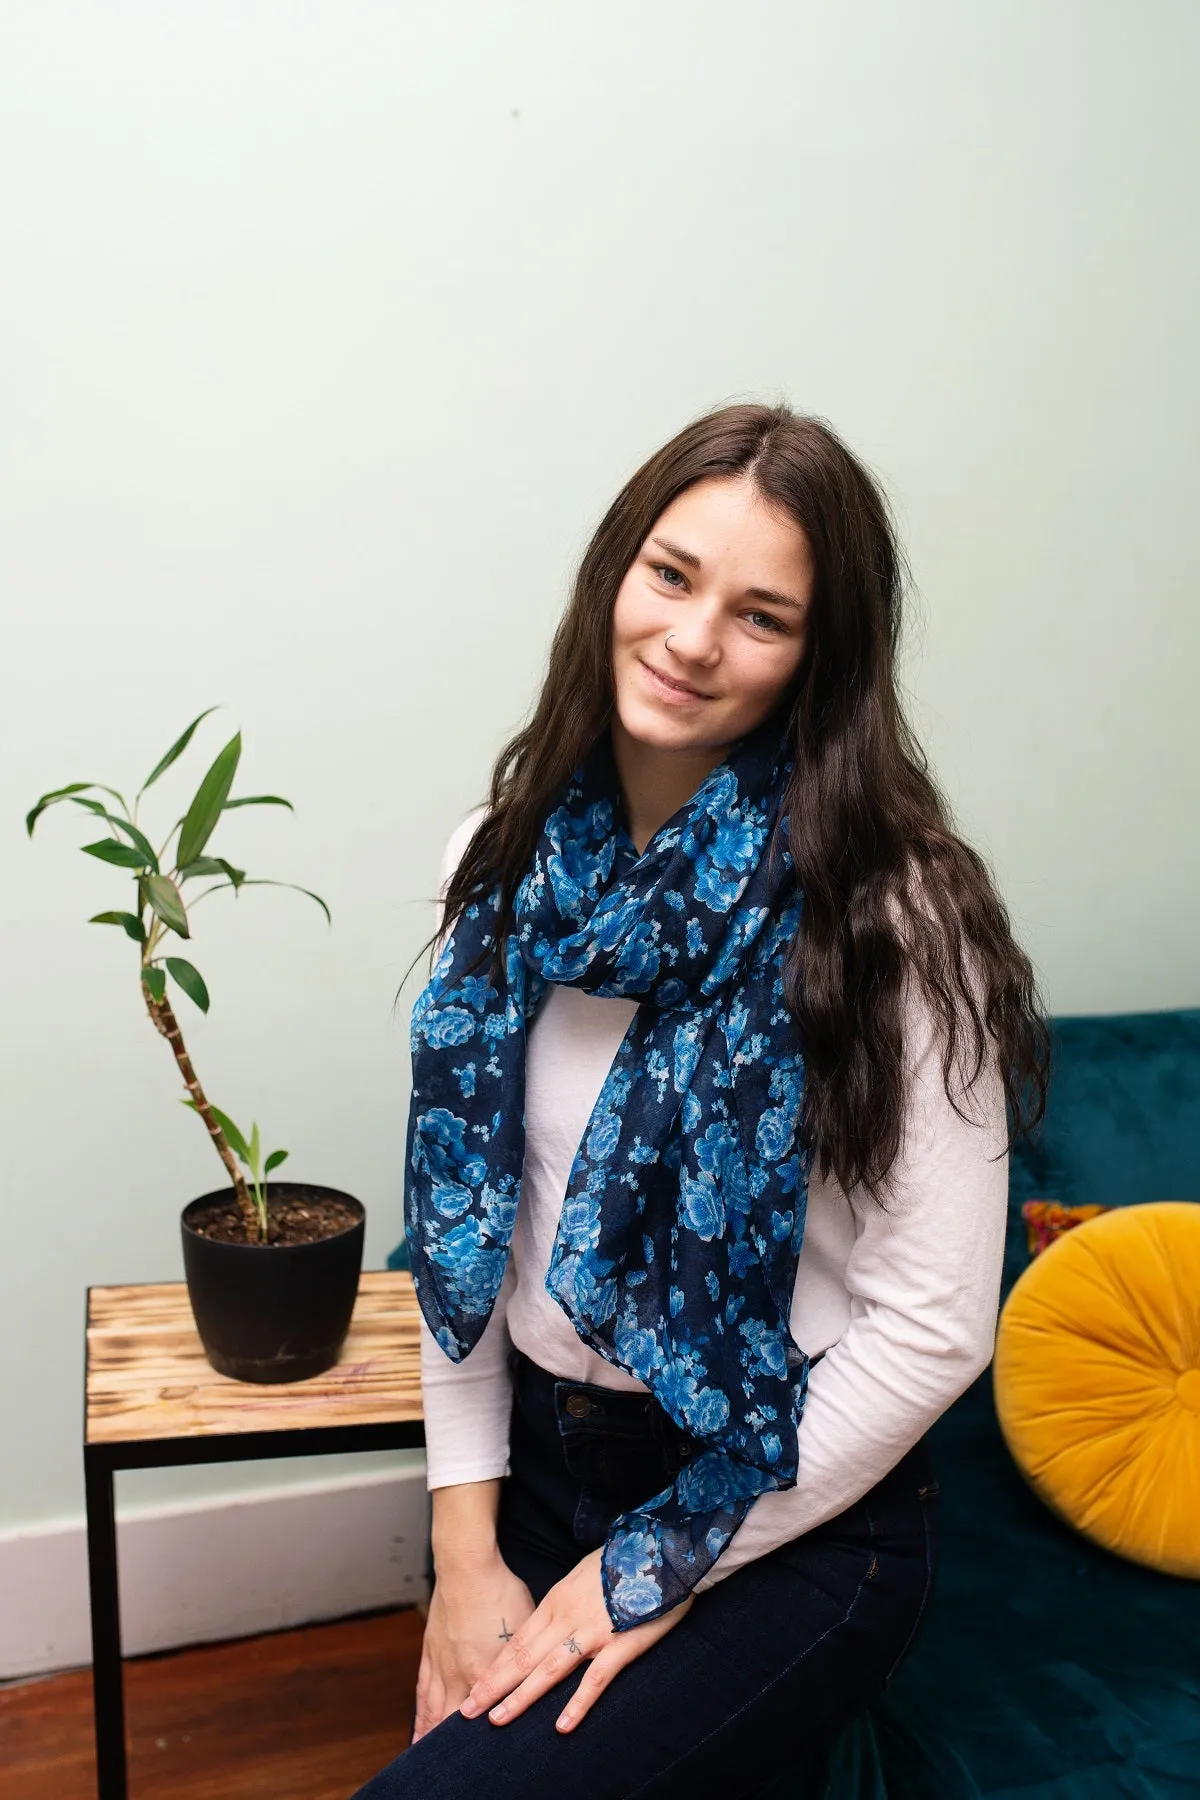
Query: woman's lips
x=675 y=696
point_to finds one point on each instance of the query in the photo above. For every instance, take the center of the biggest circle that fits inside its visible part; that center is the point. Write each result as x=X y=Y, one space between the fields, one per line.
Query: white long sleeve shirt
x=902 y=1299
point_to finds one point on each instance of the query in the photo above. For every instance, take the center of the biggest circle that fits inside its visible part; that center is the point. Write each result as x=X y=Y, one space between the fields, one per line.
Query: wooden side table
x=152 y=1399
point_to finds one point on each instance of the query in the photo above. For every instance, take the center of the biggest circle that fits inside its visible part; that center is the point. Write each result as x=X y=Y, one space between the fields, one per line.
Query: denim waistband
x=589 y=1407
x=583 y=1453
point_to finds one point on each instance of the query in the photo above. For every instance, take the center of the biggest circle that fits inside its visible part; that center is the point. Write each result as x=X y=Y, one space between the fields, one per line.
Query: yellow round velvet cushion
x=1097 y=1381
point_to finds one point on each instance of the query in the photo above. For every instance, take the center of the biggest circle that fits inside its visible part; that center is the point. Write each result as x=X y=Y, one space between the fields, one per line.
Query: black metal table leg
x=107 y=1683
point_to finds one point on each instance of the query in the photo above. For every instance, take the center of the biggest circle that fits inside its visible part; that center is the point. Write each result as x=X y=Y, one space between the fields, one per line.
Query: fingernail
x=564 y=1722
x=469 y=1707
x=498 y=1712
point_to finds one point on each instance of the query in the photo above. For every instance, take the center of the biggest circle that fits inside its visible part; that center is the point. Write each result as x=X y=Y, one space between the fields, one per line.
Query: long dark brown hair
x=889 y=888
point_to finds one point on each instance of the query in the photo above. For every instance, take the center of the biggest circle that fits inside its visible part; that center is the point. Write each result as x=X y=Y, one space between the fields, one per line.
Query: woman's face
x=729 y=577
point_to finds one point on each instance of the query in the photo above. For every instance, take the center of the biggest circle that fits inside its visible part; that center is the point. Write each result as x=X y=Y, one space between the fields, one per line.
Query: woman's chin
x=656 y=730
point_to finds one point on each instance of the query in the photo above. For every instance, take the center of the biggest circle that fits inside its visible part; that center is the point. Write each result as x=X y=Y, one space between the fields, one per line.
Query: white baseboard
x=218 y=1568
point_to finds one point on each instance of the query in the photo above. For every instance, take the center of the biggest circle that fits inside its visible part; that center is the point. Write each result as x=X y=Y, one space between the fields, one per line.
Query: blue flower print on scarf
x=681 y=1225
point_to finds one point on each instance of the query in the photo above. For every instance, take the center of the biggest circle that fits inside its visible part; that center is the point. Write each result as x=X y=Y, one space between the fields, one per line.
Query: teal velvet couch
x=1047 y=1668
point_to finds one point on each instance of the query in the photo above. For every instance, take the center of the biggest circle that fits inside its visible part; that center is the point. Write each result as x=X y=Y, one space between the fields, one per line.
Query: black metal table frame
x=100 y=1464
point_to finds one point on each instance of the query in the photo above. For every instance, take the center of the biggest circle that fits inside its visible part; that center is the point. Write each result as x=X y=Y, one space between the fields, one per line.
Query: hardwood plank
x=148 y=1377
x=297 y=1715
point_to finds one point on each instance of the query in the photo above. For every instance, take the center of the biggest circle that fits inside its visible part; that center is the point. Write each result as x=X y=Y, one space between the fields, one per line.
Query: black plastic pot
x=273 y=1312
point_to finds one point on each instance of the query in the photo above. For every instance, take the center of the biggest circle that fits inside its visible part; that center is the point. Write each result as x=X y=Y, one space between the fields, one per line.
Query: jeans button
x=578 y=1405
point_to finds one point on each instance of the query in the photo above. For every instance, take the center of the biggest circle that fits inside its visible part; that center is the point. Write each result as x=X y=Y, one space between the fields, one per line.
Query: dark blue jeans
x=755 y=1681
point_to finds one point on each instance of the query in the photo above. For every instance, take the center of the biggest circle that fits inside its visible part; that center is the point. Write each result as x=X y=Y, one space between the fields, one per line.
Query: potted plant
x=272 y=1267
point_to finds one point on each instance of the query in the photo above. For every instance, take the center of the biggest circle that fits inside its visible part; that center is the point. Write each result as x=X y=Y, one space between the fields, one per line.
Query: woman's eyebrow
x=753 y=593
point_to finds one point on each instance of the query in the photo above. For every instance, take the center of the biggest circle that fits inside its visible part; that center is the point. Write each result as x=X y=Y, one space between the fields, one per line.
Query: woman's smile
x=674 y=693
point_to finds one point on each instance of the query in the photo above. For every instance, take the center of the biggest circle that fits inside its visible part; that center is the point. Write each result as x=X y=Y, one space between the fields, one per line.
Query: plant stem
x=165 y=1022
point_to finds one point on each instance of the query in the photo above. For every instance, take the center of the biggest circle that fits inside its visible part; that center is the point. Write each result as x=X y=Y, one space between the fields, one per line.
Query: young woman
x=713 y=1086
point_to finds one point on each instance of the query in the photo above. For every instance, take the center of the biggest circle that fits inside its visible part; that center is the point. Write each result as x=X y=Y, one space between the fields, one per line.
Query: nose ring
x=667 y=645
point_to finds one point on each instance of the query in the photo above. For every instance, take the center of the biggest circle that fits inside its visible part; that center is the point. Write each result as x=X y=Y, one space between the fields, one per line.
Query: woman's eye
x=663 y=570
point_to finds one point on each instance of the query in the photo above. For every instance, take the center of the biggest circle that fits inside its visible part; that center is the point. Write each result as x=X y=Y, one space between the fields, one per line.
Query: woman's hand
x=470 y=1614
x=570 y=1625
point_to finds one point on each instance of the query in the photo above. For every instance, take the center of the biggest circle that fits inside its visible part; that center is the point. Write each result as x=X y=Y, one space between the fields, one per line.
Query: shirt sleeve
x=466 y=1404
x=924 y=1284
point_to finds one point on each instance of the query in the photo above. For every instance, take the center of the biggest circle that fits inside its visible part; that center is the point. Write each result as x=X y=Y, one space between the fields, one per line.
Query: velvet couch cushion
x=1049 y=1668
x=1097 y=1381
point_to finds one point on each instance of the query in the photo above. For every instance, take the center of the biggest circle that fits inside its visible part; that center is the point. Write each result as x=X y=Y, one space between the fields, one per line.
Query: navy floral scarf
x=681 y=1225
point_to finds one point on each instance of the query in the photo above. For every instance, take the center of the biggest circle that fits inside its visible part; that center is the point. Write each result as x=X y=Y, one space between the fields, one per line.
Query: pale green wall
x=327 y=331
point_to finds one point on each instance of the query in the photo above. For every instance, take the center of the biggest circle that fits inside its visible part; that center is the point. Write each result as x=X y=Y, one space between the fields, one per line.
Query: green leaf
x=190 y=980
x=233 y=1136
x=165 y=898
x=236 y=1141
x=156 y=982
x=255 y=1148
x=136 y=838
x=260 y=800
x=273 y=1161
x=65 y=793
x=124 y=855
x=213 y=865
x=177 y=749
x=261 y=881
x=202 y=815
x=129 y=921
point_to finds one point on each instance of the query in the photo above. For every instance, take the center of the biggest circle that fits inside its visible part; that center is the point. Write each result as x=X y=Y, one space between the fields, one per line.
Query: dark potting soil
x=291 y=1219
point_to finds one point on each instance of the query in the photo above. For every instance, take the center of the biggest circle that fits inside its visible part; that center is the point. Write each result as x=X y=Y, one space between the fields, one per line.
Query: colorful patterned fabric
x=1046 y=1221
x=676 y=1251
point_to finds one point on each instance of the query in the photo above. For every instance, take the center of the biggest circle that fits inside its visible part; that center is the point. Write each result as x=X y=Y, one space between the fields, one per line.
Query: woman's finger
x=596 y=1677
x=535 y=1639
x=622 y=1648
x=511 y=1663
x=553 y=1667
x=422 y=1696
x=429 y=1706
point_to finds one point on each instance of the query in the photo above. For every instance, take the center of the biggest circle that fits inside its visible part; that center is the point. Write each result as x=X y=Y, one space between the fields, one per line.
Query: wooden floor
x=298 y=1715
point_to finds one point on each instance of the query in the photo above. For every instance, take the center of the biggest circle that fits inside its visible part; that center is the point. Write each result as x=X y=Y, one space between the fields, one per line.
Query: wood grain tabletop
x=148 y=1377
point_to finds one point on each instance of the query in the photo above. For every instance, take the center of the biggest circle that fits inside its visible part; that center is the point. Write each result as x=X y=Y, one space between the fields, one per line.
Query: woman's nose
x=697 y=640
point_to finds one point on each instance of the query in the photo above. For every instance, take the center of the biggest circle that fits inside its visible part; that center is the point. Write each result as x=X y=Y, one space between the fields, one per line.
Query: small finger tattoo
x=573 y=1647
x=504 y=1632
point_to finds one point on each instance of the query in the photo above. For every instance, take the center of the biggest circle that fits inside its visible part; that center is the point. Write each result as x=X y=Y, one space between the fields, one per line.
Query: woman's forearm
x=464 y=1527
